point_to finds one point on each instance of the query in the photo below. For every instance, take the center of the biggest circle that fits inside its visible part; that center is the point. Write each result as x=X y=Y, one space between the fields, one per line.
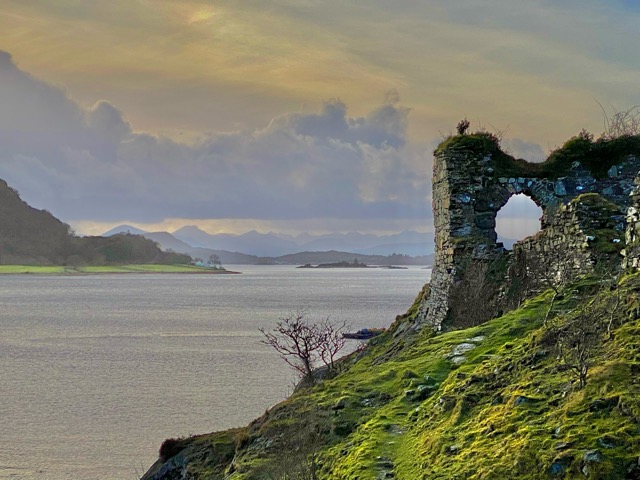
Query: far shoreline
x=355 y=265
x=50 y=270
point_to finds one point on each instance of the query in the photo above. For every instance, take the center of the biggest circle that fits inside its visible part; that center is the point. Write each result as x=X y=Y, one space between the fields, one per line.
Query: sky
x=290 y=116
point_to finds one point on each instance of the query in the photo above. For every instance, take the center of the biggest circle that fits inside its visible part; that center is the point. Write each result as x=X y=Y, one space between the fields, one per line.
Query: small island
x=354 y=264
x=343 y=264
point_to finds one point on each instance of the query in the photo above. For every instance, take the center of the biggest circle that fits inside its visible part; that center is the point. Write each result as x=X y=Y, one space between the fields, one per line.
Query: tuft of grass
x=596 y=156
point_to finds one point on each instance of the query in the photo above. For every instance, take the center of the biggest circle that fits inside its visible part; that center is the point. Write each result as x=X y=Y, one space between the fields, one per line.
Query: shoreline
x=46 y=270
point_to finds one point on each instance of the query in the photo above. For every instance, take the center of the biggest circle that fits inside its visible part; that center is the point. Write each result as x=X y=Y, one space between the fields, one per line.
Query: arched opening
x=518 y=219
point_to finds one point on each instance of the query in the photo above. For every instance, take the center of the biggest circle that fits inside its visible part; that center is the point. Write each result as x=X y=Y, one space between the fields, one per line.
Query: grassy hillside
x=497 y=401
x=29 y=234
x=35 y=237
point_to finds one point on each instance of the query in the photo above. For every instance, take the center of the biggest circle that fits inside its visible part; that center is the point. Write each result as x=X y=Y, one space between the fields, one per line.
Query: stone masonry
x=632 y=250
x=581 y=236
x=468 y=192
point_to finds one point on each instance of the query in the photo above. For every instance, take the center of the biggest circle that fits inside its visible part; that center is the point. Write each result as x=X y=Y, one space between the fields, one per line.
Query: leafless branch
x=302 y=344
x=620 y=123
x=577 y=342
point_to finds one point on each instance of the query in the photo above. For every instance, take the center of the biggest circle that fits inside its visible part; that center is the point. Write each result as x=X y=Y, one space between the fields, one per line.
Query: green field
x=88 y=270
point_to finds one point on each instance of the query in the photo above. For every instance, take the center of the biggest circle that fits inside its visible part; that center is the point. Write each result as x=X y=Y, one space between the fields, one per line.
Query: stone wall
x=632 y=249
x=584 y=235
x=470 y=187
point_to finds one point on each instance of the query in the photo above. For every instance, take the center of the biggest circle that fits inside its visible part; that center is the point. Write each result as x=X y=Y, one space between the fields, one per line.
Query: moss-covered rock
x=597 y=157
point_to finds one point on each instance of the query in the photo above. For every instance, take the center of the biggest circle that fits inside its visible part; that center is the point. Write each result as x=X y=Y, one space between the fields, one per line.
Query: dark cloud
x=91 y=165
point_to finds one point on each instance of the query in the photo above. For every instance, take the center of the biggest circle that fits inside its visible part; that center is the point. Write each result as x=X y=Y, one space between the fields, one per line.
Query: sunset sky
x=288 y=115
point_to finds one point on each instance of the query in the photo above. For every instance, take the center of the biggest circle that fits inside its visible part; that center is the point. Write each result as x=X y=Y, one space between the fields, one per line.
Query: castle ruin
x=590 y=206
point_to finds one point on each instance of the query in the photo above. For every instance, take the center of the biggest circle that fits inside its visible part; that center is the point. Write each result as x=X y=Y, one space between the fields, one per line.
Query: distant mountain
x=251 y=243
x=167 y=241
x=196 y=237
x=254 y=247
x=263 y=244
x=407 y=242
x=123 y=229
x=277 y=244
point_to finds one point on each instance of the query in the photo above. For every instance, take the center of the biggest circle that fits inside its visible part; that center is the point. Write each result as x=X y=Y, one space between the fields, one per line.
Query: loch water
x=96 y=371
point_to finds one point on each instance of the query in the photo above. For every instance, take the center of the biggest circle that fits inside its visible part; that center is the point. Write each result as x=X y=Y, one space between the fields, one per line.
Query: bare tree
x=621 y=123
x=555 y=279
x=332 y=341
x=577 y=342
x=214 y=260
x=611 y=276
x=302 y=344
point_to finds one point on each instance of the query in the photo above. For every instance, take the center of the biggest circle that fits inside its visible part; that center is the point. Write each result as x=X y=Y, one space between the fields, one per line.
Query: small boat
x=364 y=333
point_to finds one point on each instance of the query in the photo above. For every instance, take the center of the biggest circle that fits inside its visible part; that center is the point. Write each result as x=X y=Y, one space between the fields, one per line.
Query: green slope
x=418 y=407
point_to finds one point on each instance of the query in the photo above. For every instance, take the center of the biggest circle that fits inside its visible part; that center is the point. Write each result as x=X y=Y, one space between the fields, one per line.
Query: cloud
x=189 y=65
x=90 y=164
x=109 y=122
x=519 y=148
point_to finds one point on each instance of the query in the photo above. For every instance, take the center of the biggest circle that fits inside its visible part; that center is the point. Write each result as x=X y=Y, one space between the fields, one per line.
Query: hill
x=518 y=364
x=35 y=237
x=28 y=234
x=488 y=402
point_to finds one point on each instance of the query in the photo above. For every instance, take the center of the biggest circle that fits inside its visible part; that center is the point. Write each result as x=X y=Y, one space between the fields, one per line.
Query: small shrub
x=596 y=156
x=463 y=126
x=171 y=447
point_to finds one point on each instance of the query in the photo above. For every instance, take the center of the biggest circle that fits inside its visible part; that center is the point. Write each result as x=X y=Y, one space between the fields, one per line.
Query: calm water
x=96 y=371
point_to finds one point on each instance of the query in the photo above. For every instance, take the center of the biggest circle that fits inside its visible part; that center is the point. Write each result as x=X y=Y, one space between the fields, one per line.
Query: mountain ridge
x=275 y=244
x=169 y=242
